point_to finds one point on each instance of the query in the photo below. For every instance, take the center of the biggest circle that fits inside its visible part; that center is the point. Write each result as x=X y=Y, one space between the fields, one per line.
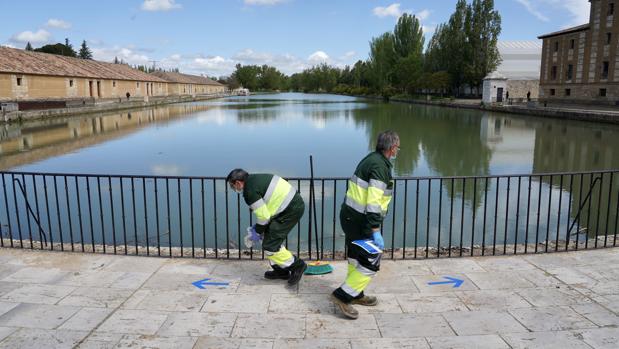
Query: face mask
x=392 y=158
x=238 y=191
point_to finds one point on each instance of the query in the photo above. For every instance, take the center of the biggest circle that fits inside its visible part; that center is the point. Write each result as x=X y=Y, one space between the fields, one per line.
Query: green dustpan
x=318 y=268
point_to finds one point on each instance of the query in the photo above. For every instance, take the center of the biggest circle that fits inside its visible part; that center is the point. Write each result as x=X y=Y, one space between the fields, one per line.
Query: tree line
x=65 y=49
x=461 y=52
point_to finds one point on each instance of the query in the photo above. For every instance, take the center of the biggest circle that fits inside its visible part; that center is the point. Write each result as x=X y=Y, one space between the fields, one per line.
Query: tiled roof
x=185 y=78
x=37 y=63
x=566 y=31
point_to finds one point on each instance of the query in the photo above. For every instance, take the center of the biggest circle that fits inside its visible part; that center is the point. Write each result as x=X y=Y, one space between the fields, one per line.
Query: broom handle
x=313 y=202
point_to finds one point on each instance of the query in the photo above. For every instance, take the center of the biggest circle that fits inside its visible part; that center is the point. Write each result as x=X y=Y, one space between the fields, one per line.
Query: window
x=609 y=37
x=611 y=9
x=553 y=73
x=113 y=83
x=572 y=43
x=605 y=70
x=602 y=92
x=137 y=84
x=570 y=71
x=568 y=92
x=552 y=91
x=18 y=81
x=556 y=46
x=70 y=83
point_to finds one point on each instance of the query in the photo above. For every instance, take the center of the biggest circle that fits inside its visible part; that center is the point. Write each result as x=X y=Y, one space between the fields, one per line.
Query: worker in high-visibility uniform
x=278 y=208
x=367 y=199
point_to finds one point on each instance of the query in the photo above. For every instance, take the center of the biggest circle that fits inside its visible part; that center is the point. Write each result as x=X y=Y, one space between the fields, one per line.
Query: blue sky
x=211 y=36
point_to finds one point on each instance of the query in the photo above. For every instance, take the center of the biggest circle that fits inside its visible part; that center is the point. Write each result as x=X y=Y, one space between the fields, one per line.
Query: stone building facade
x=580 y=64
x=185 y=84
x=35 y=76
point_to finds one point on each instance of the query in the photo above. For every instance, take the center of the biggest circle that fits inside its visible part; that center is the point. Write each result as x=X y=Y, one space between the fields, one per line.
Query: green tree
x=85 y=52
x=382 y=61
x=28 y=46
x=57 y=49
x=408 y=36
x=247 y=76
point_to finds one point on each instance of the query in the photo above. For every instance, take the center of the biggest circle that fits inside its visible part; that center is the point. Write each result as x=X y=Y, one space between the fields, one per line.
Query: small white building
x=495 y=87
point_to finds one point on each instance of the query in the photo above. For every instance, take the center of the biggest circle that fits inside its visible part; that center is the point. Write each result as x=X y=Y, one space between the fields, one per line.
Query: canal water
x=276 y=134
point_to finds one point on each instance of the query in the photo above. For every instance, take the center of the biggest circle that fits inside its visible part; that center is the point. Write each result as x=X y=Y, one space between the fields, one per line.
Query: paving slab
x=566 y=300
x=413 y=325
x=337 y=327
x=269 y=326
x=551 y=319
x=41 y=316
x=467 y=342
x=192 y=324
x=481 y=322
x=86 y=319
x=156 y=342
x=39 y=338
x=134 y=322
x=550 y=340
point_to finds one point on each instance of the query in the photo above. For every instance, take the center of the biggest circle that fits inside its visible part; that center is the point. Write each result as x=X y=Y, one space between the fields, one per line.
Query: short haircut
x=386 y=140
x=237 y=174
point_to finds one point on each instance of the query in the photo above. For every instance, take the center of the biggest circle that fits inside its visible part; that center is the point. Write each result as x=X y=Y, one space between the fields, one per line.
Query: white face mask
x=238 y=191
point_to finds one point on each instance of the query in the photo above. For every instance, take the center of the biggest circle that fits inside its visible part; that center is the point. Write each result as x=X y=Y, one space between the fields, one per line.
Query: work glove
x=378 y=239
x=252 y=237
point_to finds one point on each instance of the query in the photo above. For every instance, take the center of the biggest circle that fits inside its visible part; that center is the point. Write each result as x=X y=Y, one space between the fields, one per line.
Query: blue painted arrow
x=457 y=282
x=201 y=283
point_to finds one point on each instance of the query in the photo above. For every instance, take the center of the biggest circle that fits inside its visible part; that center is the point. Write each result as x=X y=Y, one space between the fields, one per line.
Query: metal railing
x=430 y=217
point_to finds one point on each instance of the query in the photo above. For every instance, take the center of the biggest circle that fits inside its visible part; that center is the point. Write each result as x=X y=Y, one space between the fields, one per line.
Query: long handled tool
x=317 y=267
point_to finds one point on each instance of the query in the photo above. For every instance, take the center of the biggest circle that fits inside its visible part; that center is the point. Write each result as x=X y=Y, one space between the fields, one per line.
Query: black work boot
x=296 y=271
x=278 y=273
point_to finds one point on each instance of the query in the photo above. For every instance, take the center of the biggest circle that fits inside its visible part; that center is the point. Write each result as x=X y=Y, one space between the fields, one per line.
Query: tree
x=116 y=61
x=382 y=60
x=28 y=46
x=247 y=76
x=57 y=49
x=85 y=52
x=408 y=36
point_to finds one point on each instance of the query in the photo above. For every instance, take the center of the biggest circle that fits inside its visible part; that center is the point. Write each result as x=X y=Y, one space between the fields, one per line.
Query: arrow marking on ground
x=451 y=280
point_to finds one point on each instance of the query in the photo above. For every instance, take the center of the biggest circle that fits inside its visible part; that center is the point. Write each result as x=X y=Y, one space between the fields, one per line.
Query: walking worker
x=367 y=199
x=278 y=208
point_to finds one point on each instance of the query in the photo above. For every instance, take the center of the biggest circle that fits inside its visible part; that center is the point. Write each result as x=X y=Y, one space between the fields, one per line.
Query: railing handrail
x=519 y=175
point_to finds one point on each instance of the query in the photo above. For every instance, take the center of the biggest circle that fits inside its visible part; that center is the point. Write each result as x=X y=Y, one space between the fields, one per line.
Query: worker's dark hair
x=237 y=174
x=386 y=140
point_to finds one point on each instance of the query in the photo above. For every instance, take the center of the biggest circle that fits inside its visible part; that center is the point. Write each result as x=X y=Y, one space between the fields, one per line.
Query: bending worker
x=278 y=208
x=367 y=199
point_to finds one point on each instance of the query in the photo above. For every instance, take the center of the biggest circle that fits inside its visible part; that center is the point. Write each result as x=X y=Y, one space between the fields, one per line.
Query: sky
x=211 y=36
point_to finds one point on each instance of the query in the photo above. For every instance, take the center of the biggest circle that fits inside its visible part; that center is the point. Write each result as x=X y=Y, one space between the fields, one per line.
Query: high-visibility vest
x=370 y=189
x=276 y=199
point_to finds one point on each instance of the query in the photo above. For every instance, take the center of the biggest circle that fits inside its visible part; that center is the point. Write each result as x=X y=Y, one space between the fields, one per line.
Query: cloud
x=166 y=170
x=128 y=55
x=423 y=14
x=263 y=2
x=318 y=57
x=58 y=24
x=532 y=10
x=38 y=37
x=348 y=55
x=160 y=5
x=392 y=10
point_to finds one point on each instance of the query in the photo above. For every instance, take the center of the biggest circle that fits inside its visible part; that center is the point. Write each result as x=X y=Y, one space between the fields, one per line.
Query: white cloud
x=532 y=10
x=38 y=37
x=318 y=57
x=423 y=14
x=348 y=55
x=263 y=2
x=160 y=5
x=128 y=55
x=391 y=10
x=58 y=24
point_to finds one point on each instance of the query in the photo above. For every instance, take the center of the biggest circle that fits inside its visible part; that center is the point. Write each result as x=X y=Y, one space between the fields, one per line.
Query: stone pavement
x=64 y=300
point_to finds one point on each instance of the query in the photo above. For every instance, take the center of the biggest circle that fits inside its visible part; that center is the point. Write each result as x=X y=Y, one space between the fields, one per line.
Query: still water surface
x=277 y=133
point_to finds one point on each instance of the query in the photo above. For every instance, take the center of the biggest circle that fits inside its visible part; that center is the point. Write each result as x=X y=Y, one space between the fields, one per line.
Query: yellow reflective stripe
x=356 y=281
x=280 y=193
x=358 y=194
x=375 y=196
x=286 y=202
x=282 y=258
x=261 y=211
x=354 y=205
